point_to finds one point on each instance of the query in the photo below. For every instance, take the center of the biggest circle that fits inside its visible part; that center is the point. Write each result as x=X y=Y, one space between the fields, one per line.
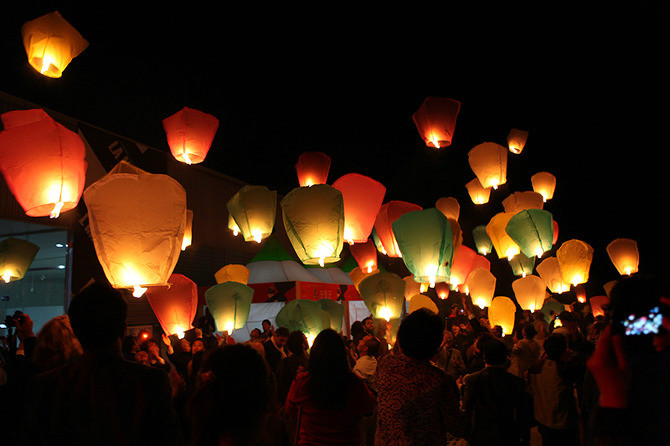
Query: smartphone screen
x=642 y=325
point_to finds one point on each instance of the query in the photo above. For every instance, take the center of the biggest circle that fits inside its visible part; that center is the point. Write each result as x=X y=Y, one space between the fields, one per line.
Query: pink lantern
x=363 y=198
x=436 y=120
x=462 y=265
x=312 y=168
x=175 y=305
x=365 y=255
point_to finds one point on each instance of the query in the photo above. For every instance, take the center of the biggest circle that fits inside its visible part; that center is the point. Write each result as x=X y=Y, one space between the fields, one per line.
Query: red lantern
x=312 y=168
x=442 y=290
x=190 y=134
x=481 y=262
x=42 y=162
x=175 y=305
x=365 y=255
x=389 y=213
x=363 y=198
x=462 y=265
x=436 y=121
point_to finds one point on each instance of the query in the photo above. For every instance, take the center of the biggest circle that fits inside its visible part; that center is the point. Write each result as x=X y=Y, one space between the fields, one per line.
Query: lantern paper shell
x=314 y=221
x=449 y=207
x=532 y=230
x=365 y=255
x=518 y=201
x=550 y=271
x=232 y=225
x=522 y=265
x=599 y=305
x=377 y=241
x=384 y=295
x=254 y=209
x=478 y=193
x=43 y=162
x=489 y=163
x=442 y=290
x=422 y=301
x=482 y=240
x=456 y=233
x=436 y=120
x=336 y=312
x=426 y=243
x=482 y=286
x=190 y=134
x=16 y=256
x=175 y=305
x=412 y=287
x=481 y=262
x=389 y=213
x=137 y=222
x=51 y=43
x=357 y=275
x=516 y=140
x=304 y=315
x=574 y=258
x=501 y=312
x=233 y=273
x=530 y=292
x=545 y=184
x=502 y=242
x=188 y=230
x=624 y=255
x=555 y=238
x=229 y=303
x=312 y=168
x=363 y=197
x=462 y=265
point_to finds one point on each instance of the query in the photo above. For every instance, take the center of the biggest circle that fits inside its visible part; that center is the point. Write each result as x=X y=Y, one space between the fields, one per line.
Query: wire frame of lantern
x=389 y=213
x=545 y=184
x=336 y=312
x=502 y=242
x=312 y=168
x=304 y=315
x=530 y=292
x=51 y=43
x=599 y=305
x=519 y=201
x=363 y=197
x=482 y=240
x=190 y=134
x=229 y=303
x=188 y=231
x=254 y=209
x=489 y=163
x=550 y=271
x=478 y=193
x=522 y=265
x=232 y=273
x=175 y=305
x=449 y=207
x=16 y=256
x=516 y=140
x=624 y=255
x=42 y=162
x=436 y=121
x=575 y=257
x=502 y=312
x=481 y=285
x=384 y=295
x=365 y=255
x=532 y=230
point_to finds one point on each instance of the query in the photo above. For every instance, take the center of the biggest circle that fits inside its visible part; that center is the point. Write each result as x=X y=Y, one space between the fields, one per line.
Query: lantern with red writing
x=436 y=120
x=388 y=213
x=190 y=134
x=363 y=198
x=175 y=305
x=365 y=255
x=312 y=168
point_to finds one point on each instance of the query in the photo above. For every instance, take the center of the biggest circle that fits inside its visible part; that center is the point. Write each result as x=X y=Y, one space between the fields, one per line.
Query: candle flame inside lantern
x=370 y=267
x=386 y=313
x=47 y=60
x=7 y=276
x=435 y=141
x=138 y=291
x=186 y=158
x=56 y=210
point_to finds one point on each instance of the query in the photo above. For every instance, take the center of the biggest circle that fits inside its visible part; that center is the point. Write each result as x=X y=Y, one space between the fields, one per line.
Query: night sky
x=587 y=84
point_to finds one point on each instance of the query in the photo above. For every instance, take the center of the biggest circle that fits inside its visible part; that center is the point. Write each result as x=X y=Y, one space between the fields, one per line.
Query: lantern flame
x=539 y=252
x=310 y=338
x=423 y=288
x=47 y=60
x=629 y=269
x=229 y=327
x=138 y=291
x=179 y=331
x=435 y=141
x=483 y=251
x=257 y=236
x=581 y=300
x=55 y=213
x=370 y=264
x=7 y=276
x=386 y=313
x=321 y=262
x=481 y=302
x=236 y=231
x=186 y=158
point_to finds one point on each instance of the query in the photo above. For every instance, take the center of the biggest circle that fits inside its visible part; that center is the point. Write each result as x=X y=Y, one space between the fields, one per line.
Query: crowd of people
x=439 y=380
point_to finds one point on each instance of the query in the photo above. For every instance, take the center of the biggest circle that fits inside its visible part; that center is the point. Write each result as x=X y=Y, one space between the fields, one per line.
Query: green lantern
x=532 y=230
x=550 y=308
x=383 y=294
x=482 y=240
x=253 y=208
x=336 y=312
x=425 y=240
x=16 y=256
x=229 y=303
x=522 y=265
x=304 y=315
x=377 y=241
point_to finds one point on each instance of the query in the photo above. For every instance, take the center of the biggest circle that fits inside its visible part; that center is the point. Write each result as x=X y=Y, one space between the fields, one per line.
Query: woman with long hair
x=56 y=344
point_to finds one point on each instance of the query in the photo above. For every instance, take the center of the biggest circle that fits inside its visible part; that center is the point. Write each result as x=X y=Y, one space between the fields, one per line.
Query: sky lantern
x=461 y=265
x=232 y=225
x=580 y=292
x=442 y=290
x=304 y=315
x=357 y=275
x=42 y=162
x=254 y=209
x=363 y=197
x=502 y=312
x=550 y=271
x=51 y=43
x=190 y=134
x=232 y=273
x=16 y=256
x=555 y=237
x=422 y=301
x=188 y=231
x=478 y=193
x=489 y=163
x=312 y=168
x=502 y=242
x=175 y=305
x=365 y=255
x=388 y=213
x=137 y=222
x=449 y=207
x=229 y=303
x=336 y=312
x=574 y=258
x=532 y=230
x=412 y=287
x=383 y=294
x=456 y=234
x=516 y=140
x=436 y=120
x=530 y=292
x=481 y=262
x=426 y=243
x=314 y=221
x=482 y=240
x=522 y=265
x=519 y=201
x=624 y=255
x=377 y=241
x=481 y=285
x=545 y=184
x=599 y=305
x=551 y=308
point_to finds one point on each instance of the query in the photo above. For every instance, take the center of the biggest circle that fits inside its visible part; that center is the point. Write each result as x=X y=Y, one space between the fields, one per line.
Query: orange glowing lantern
x=580 y=292
x=599 y=305
x=489 y=163
x=42 y=162
x=363 y=198
x=550 y=271
x=624 y=255
x=137 y=222
x=462 y=265
x=312 y=168
x=530 y=292
x=175 y=305
x=188 y=231
x=502 y=312
x=574 y=258
x=233 y=273
x=545 y=184
x=412 y=287
x=442 y=290
x=436 y=120
x=357 y=275
x=519 y=201
x=16 y=256
x=365 y=255
x=51 y=43
x=449 y=207
x=478 y=193
x=190 y=134
x=422 y=301
x=481 y=286
x=502 y=242
x=388 y=213
x=516 y=140
x=254 y=209
x=481 y=262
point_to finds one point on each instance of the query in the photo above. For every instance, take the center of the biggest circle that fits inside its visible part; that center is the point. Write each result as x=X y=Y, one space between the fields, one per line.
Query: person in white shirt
x=365 y=367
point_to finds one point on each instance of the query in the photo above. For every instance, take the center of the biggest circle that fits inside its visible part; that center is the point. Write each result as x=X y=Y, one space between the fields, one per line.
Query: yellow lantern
x=545 y=184
x=357 y=275
x=254 y=209
x=520 y=201
x=232 y=273
x=188 y=231
x=574 y=258
x=232 y=225
x=516 y=140
x=481 y=284
x=384 y=295
x=478 y=193
x=449 y=207
x=229 y=303
x=16 y=256
x=530 y=292
x=502 y=242
x=489 y=163
x=422 y=301
x=502 y=312
x=51 y=43
x=137 y=222
x=624 y=255
x=550 y=272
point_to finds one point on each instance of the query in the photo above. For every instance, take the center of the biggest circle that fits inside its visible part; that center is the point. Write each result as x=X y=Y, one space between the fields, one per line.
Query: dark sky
x=587 y=84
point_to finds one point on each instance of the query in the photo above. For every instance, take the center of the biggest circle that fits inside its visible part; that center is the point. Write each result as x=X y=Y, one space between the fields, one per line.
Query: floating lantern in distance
x=489 y=163
x=232 y=225
x=422 y=301
x=229 y=303
x=598 y=305
x=449 y=207
x=580 y=292
x=624 y=255
x=482 y=240
x=442 y=290
x=254 y=209
x=478 y=193
x=304 y=315
x=482 y=286
x=519 y=201
x=502 y=242
x=190 y=134
x=365 y=255
x=532 y=230
x=188 y=231
x=574 y=258
x=384 y=295
x=501 y=312
x=357 y=275
x=314 y=222
x=363 y=197
x=436 y=120
x=462 y=265
x=43 y=162
x=388 y=213
x=530 y=292
x=16 y=256
x=516 y=140
x=426 y=243
x=550 y=271
x=522 y=265
x=312 y=168
x=232 y=273
x=175 y=305
x=51 y=43
x=545 y=184
x=137 y=222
